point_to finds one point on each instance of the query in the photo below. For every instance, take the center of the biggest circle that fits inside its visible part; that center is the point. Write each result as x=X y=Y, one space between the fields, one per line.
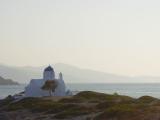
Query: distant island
x=72 y=74
x=4 y=81
x=86 y=105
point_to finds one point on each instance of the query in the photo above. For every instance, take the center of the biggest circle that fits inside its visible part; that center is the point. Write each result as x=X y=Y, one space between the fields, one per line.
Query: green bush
x=31 y=103
x=117 y=112
x=72 y=112
x=146 y=99
x=101 y=97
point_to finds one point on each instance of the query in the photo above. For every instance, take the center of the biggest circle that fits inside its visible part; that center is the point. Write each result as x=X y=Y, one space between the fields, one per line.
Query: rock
x=3 y=116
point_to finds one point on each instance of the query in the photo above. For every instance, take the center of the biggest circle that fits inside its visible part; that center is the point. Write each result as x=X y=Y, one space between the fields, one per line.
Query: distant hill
x=7 y=81
x=71 y=74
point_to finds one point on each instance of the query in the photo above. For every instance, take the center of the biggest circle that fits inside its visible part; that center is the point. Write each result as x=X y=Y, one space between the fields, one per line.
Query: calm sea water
x=134 y=90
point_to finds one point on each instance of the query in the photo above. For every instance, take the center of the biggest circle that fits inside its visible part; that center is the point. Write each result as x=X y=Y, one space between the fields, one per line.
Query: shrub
x=146 y=99
x=117 y=112
x=72 y=112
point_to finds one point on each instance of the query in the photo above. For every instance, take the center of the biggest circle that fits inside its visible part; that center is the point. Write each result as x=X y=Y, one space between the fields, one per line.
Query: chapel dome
x=49 y=68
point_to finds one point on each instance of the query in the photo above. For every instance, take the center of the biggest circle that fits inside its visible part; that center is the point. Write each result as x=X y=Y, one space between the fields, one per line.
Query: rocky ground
x=86 y=105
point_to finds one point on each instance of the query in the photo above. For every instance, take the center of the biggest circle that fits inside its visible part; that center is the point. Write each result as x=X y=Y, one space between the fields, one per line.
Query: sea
x=133 y=90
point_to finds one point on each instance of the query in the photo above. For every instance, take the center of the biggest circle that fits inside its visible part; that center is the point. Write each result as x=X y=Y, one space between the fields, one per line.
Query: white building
x=34 y=88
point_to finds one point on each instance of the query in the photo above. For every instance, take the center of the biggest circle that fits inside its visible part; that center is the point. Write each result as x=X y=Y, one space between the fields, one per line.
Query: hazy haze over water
x=116 y=36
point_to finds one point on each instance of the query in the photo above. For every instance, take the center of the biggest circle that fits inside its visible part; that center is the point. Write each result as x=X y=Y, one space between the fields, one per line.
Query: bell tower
x=60 y=76
x=49 y=73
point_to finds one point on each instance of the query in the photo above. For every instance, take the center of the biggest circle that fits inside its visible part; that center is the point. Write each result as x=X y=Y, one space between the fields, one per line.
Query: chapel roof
x=49 y=68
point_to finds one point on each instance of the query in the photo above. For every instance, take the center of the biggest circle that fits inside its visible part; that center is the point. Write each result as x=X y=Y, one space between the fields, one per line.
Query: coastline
x=133 y=90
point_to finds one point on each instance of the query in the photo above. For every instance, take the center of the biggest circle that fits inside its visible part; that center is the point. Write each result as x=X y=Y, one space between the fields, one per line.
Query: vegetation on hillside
x=86 y=105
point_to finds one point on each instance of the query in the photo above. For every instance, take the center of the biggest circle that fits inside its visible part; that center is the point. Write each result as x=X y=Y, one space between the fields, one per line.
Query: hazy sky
x=116 y=36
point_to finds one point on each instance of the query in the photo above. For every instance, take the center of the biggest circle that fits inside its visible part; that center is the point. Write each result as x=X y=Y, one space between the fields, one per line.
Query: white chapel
x=34 y=88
